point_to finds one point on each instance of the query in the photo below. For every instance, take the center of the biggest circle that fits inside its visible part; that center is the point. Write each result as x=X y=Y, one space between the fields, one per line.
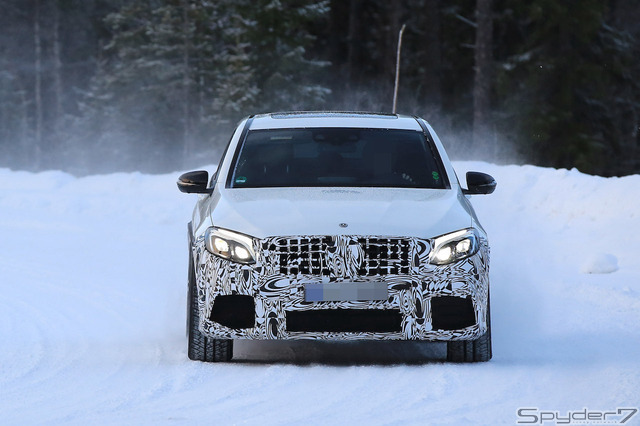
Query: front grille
x=384 y=256
x=303 y=255
x=366 y=256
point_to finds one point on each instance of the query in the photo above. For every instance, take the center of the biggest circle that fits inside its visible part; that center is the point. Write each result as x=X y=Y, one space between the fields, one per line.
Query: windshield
x=336 y=157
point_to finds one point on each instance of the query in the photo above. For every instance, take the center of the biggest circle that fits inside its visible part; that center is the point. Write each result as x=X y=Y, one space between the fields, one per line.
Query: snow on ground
x=92 y=314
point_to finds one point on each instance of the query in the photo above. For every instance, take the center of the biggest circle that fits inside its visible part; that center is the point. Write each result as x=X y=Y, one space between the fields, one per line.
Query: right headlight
x=454 y=246
x=230 y=245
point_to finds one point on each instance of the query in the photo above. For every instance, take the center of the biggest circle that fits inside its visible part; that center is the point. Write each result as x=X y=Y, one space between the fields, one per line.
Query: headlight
x=454 y=246
x=230 y=245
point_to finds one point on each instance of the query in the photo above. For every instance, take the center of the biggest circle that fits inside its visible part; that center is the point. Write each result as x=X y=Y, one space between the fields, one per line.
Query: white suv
x=338 y=226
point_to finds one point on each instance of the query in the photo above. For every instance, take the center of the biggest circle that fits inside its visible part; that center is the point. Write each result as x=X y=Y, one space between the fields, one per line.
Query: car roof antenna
x=395 y=87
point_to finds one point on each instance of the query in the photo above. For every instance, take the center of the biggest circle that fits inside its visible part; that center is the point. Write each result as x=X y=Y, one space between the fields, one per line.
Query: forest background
x=97 y=86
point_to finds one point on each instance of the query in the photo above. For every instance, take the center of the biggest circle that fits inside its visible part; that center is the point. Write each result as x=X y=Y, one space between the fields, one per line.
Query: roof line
x=293 y=114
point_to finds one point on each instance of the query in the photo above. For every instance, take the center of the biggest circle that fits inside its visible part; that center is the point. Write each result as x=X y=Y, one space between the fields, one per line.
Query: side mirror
x=194 y=182
x=479 y=183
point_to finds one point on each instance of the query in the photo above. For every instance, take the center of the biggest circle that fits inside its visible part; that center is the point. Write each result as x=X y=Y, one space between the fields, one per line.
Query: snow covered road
x=92 y=314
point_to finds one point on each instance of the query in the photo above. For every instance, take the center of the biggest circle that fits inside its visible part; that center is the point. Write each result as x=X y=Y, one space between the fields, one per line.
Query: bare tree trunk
x=57 y=67
x=433 y=65
x=354 y=42
x=24 y=124
x=186 y=84
x=38 y=86
x=482 y=80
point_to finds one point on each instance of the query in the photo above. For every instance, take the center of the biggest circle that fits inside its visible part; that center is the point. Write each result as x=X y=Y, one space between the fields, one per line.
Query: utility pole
x=395 y=88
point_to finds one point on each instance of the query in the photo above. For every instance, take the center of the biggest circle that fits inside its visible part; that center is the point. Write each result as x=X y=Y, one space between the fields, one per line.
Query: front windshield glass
x=336 y=157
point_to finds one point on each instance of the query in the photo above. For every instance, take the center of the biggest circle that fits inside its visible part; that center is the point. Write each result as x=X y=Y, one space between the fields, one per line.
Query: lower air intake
x=345 y=320
x=452 y=313
x=234 y=311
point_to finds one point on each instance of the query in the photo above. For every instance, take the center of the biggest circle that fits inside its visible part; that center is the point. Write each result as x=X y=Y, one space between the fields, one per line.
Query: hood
x=267 y=212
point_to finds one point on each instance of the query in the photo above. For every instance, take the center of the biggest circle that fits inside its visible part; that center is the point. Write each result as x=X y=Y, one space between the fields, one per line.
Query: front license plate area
x=345 y=292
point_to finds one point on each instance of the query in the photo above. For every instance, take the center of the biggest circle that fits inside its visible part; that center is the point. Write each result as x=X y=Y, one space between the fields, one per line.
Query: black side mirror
x=479 y=183
x=194 y=182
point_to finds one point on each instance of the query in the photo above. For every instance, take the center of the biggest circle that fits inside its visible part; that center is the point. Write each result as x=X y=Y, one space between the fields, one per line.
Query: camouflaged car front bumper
x=277 y=286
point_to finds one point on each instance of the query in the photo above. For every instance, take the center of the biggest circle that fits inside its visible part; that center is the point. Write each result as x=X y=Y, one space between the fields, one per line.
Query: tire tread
x=199 y=346
x=478 y=350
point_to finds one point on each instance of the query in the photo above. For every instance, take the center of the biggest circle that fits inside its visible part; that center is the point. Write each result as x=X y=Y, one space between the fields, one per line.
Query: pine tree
x=179 y=71
x=567 y=84
x=278 y=36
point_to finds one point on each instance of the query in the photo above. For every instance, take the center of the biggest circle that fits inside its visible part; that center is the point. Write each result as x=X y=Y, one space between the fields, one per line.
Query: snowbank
x=600 y=263
x=92 y=300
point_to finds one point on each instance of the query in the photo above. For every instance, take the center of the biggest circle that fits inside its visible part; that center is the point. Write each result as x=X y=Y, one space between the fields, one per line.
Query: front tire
x=201 y=347
x=478 y=350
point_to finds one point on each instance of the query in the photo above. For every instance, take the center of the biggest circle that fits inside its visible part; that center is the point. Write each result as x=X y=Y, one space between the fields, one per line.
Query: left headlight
x=455 y=246
x=230 y=245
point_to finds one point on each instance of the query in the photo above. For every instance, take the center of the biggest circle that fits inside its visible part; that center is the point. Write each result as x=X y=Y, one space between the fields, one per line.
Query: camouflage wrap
x=410 y=288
